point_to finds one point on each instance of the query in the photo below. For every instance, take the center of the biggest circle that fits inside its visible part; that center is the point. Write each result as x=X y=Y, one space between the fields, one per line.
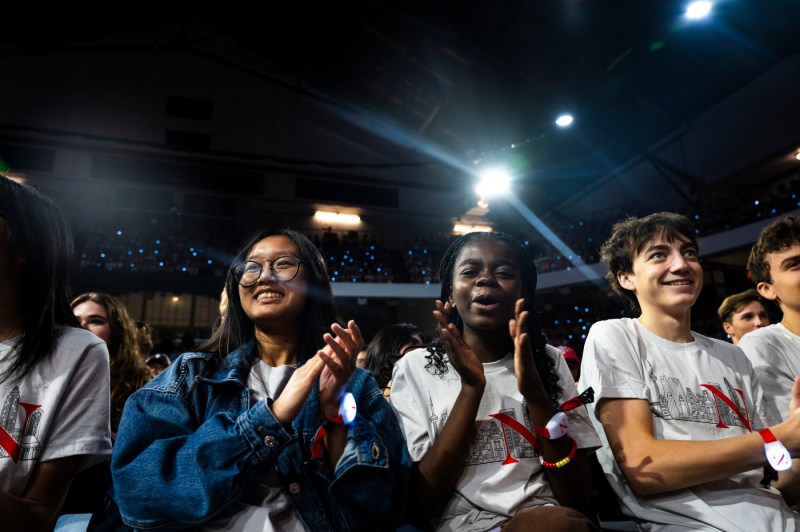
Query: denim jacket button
x=294 y=488
x=269 y=440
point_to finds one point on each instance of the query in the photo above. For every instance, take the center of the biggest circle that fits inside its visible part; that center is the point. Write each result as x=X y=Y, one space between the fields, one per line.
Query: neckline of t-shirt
x=499 y=365
x=677 y=346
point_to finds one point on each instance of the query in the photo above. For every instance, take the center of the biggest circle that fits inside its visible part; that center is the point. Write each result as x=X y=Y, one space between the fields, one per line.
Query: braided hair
x=545 y=365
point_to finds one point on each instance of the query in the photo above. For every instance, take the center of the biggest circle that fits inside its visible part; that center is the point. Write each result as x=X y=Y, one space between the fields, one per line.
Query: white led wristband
x=555 y=428
x=777 y=455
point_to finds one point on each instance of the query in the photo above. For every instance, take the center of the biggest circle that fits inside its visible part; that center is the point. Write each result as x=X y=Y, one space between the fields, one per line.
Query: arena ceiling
x=445 y=84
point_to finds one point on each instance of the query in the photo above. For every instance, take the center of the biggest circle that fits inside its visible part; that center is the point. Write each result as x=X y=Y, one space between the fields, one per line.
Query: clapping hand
x=460 y=354
x=339 y=357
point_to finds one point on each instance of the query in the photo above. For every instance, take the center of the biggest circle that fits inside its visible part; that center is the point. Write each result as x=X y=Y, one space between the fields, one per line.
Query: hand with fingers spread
x=339 y=358
x=460 y=354
x=528 y=380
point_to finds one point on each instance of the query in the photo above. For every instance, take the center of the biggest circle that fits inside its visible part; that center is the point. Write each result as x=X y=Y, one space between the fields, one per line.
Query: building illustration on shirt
x=679 y=402
x=19 y=435
x=492 y=440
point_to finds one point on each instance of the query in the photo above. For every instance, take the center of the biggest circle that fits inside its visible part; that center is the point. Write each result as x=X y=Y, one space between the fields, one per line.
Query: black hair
x=384 y=350
x=545 y=365
x=319 y=313
x=38 y=233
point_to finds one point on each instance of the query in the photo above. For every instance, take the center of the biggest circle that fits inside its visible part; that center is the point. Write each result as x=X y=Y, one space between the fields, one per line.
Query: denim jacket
x=189 y=444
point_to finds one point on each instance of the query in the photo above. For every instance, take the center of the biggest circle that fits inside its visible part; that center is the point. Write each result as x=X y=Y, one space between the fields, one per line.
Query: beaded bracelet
x=564 y=461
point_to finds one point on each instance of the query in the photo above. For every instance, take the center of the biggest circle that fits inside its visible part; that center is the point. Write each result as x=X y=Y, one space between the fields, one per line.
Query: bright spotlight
x=493 y=183
x=564 y=120
x=698 y=10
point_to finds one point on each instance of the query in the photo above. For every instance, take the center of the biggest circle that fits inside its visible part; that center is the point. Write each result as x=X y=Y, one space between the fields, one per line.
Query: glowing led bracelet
x=347 y=408
x=777 y=455
x=347 y=414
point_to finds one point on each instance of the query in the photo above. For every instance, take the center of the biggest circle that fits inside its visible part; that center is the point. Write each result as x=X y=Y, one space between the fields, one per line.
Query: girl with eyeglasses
x=270 y=426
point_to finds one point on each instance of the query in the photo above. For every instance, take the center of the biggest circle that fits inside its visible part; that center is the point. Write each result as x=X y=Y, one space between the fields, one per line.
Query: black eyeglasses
x=283 y=268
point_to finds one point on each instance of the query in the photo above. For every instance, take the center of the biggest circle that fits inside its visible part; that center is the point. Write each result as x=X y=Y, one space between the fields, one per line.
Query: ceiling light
x=337 y=217
x=463 y=229
x=493 y=183
x=698 y=10
x=565 y=120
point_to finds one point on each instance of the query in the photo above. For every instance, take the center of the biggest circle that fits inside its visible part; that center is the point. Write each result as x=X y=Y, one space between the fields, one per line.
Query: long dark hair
x=544 y=363
x=384 y=350
x=39 y=233
x=237 y=329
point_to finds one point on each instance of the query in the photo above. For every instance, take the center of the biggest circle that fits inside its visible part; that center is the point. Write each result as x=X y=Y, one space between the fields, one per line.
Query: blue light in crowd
x=372 y=247
x=570 y=337
x=697 y=231
x=427 y=282
x=424 y=272
x=580 y=320
x=209 y=261
x=410 y=252
x=99 y=265
x=332 y=257
x=372 y=257
x=556 y=322
x=696 y=216
x=756 y=202
x=576 y=308
x=351 y=260
x=155 y=252
x=333 y=279
x=336 y=272
x=583 y=328
x=194 y=254
x=774 y=211
x=569 y=322
x=580 y=223
x=191 y=249
x=158 y=242
x=103 y=255
x=586 y=309
x=141 y=250
x=119 y=232
x=425 y=251
x=133 y=265
x=161 y=264
x=130 y=252
x=183 y=269
x=583 y=336
x=379 y=270
x=341 y=263
x=354 y=279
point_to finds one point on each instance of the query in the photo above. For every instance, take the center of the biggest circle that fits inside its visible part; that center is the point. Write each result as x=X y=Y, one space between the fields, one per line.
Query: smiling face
x=94 y=318
x=749 y=317
x=486 y=284
x=270 y=303
x=666 y=277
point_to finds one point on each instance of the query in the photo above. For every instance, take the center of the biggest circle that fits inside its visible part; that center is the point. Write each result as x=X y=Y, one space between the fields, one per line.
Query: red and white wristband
x=559 y=424
x=777 y=455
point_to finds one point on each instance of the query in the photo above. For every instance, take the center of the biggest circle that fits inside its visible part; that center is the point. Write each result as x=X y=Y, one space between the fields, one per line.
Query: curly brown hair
x=777 y=236
x=128 y=371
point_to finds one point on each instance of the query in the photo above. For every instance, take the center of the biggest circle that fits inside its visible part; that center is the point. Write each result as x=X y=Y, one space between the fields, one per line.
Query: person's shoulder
x=613 y=326
x=413 y=358
x=776 y=330
x=75 y=336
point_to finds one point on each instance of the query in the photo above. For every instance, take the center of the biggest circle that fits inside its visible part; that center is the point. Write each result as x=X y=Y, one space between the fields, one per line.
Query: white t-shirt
x=60 y=409
x=267 y=508
x=774 y=352
x=622 y=359
x=502 y=473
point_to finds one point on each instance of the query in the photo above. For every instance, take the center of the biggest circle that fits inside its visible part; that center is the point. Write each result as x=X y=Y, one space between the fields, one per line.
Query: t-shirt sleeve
x=611 y=363
x=771 y=370
x=580 y=426
x=406 y=402
x=81 y=425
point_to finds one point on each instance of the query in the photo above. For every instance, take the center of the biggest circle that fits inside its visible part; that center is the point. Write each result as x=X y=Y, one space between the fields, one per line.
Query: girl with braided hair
x=478 y=406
